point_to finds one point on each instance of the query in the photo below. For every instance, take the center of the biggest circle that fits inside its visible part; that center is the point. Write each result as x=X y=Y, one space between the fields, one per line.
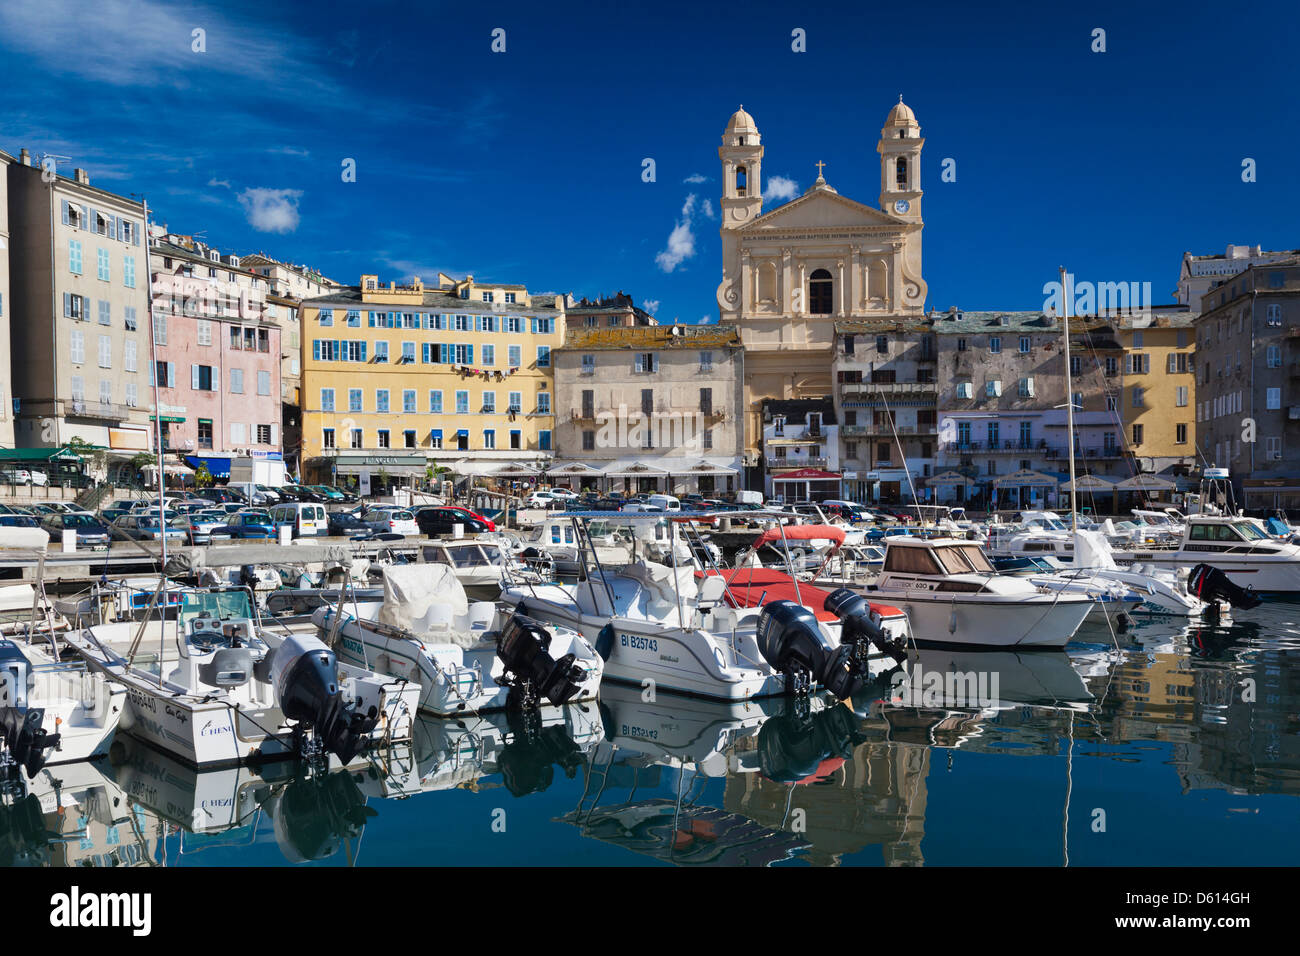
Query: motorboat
x=461 y=657
x=556 y=540
x=655 y=625
x=480 y=565
x=1232 y=544
x=215 y=687
x=952 y=594
x=53 y=711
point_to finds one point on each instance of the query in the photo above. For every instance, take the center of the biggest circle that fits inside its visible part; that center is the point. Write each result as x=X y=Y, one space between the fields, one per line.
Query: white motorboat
x=1232 y=544
x=952 y=594
x=654 y=625
x=462 y=657
x=556 y=539
x=53 y=711
x=216 y=688
x=479 y=565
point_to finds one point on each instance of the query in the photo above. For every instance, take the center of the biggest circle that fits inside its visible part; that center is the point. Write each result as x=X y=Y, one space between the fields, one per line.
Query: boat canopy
x=801 y=532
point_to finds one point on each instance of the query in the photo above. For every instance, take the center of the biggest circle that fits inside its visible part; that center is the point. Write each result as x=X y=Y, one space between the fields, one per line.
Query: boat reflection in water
x=914 y=771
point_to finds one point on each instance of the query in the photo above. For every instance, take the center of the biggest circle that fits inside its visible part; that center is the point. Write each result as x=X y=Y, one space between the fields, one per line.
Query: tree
x=202 y=476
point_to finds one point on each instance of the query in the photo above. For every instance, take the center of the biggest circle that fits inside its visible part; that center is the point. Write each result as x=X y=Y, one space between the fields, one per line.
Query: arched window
x=821 y=293
x=900 y=172
x=741 y=180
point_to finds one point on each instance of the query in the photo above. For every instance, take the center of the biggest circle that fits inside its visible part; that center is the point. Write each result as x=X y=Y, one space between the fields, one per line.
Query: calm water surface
x=1175 y=746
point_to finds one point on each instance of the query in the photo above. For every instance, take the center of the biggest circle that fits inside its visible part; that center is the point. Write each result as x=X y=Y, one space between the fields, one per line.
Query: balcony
x=576 y=415
x=1038 y=448
x=81 y=408
x=801 y=461
x=882 y=430
x=867 y=389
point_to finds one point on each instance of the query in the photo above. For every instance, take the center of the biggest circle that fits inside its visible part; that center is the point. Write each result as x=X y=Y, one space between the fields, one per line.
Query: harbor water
x=1168 y=744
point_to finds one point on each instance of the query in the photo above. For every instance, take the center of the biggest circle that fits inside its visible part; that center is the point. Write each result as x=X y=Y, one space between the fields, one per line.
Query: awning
x=1026 y=479
x=574 y=468
x=947 y=479
x=37 y=454
x=1143 y=482
x=218 y=467
x=807 y=474
x=794 y=441
x=170 y=468
x=1089 y=483
x=635 y=468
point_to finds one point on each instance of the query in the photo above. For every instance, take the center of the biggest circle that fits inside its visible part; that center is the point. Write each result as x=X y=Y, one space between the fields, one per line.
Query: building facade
x=790 y=274
x=217 y=355
x=1199 y=274
x=651 y=407
x=6 y=304
x=801 y=449
x=1158 y=393
x=1001 y=404
x=79 y=280
x=608 y=312
x=1247 y=365
x=406 y=377
x=885 y=394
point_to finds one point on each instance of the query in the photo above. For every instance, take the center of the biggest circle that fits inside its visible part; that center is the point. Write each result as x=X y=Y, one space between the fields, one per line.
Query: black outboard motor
x=790 y=639
x=315 y=815
x=305 y=675
x=793 y=748
x=859 y=624
x=528 y=760
x=1210 y=584
x=26 y=741
x=524 y=646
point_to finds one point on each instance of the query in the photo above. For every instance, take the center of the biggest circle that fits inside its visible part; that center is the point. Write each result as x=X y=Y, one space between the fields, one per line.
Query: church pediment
x=822 y=209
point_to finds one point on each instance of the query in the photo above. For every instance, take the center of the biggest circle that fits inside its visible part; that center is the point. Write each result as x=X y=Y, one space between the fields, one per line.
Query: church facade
x=791 y=274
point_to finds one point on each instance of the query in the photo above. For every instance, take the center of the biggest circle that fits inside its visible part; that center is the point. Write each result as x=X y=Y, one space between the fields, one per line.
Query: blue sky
x=526 y=166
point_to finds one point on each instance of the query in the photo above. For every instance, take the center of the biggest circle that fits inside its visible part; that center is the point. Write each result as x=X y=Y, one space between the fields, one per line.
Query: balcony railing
x=1040 y=448
x=874 y=430
x=801 y=461
x=889 y=388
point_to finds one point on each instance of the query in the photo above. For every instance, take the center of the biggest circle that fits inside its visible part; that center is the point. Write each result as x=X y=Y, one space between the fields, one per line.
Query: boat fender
x=605 y=641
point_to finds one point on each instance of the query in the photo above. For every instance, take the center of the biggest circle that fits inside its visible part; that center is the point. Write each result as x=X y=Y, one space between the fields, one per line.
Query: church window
x=900 y=172
x=741 y=179
x=821 y=293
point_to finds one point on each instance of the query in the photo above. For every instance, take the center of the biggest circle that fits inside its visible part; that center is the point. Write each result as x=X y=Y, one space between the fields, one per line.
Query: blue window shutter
x=135 y=234
x=469 y=354
x=171 y=374
x=428 y=349
x=363 y=351
x=442 y=353
x=315 y=349
x=65 y=217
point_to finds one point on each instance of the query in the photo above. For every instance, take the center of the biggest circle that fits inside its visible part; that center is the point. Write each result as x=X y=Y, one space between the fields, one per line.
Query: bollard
x=458 y=531
x=69 y=540
x=286 y=534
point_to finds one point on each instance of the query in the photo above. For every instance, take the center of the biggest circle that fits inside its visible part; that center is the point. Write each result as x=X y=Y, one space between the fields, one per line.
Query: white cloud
x=696 y=178
x=681 y=241
x=707 y=206
x=780 y=188
x=651 y=305
x=271 y=210
x=214 y=181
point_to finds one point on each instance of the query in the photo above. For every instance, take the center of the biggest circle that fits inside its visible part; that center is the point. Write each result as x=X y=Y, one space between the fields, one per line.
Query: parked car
x=539 y=499
x=222 y=495
x=146 y=527
x=91 y=532
x=304 y=518
x=349 y=497
x=332 y=495
x=392 y=520
x=246 y=524
x=18 y=521
x=301 y=493
x=24 y=476
x=344 y=524
x=439 y=520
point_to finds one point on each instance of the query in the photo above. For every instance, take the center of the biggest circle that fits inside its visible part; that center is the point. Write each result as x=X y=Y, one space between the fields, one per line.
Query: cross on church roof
x=819 y=164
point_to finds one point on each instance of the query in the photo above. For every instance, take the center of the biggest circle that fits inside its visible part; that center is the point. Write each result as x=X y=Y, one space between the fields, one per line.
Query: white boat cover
x=23 y=539
x=423 y=597
x=1092 y=551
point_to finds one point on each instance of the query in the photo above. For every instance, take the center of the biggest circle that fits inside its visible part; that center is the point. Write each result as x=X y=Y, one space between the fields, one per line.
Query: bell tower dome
x=900 y=164
x=741 y=154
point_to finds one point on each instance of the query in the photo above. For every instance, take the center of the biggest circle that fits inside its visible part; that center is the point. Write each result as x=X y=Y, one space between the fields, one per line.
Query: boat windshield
x=1249 y=531
x=218 y=604
x=963 y=559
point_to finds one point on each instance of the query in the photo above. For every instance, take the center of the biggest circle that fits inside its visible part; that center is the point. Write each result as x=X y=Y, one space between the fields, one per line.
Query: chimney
x=25 y=157
x=80 y=176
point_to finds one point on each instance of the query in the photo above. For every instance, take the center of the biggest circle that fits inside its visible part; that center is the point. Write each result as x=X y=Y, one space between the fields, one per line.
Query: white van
x=664 y=502
x=305 y=518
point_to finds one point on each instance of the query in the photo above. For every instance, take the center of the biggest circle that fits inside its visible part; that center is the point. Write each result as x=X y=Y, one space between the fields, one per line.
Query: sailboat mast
x=1069 y=398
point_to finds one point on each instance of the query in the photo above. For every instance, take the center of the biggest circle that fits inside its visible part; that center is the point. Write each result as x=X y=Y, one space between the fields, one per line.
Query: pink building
x=217 y=357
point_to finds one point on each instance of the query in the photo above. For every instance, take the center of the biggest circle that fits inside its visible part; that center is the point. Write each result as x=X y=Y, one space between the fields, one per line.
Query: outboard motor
x=314 y=815
x=22 y=733
x=790 y=639
x=528 y=760
x=792 y=749
x=305 y=675
x=1210 y=584
x=859 y=624
x=25 y=740
x=524 y=646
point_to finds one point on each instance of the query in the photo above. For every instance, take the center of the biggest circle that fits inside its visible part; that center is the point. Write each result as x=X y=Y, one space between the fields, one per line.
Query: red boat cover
x=747 y=586
x=801 y=532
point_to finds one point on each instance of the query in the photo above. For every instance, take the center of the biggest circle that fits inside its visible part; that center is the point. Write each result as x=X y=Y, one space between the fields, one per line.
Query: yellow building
x=396 y=378
x=1159 y=387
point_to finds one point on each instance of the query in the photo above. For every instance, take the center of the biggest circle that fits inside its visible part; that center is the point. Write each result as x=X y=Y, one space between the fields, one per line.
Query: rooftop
x=654 y=336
